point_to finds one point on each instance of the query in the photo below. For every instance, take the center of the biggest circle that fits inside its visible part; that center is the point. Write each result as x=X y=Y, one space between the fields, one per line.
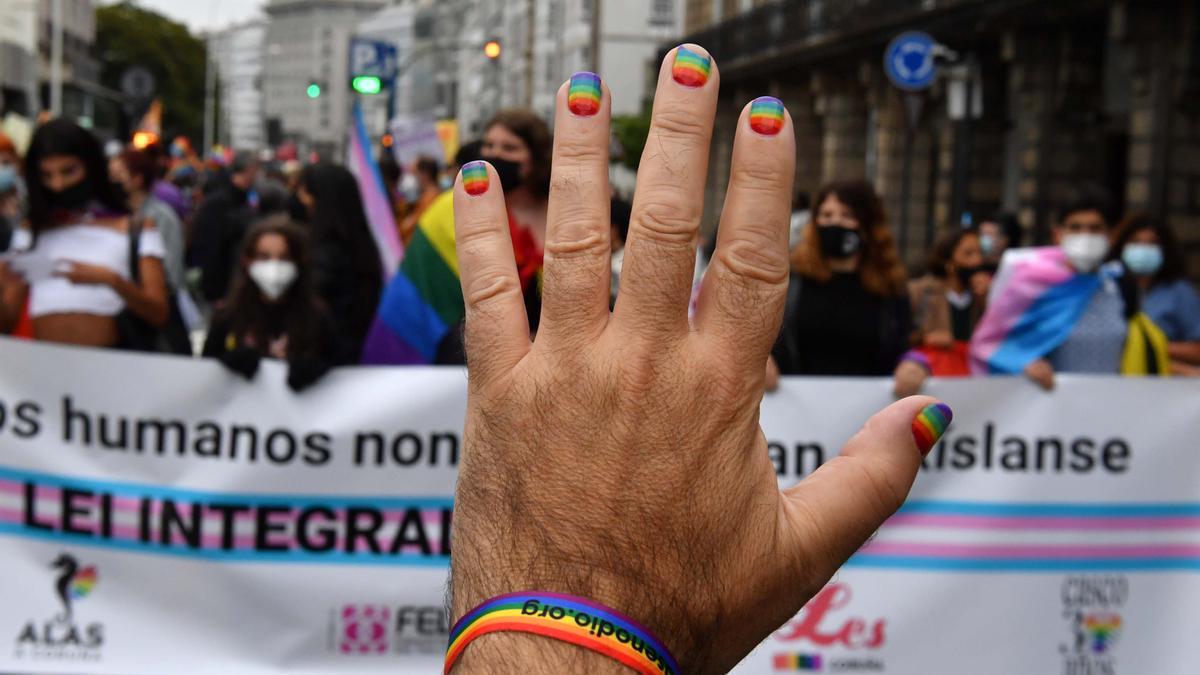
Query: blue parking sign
x=369 y=58
x=908 y=61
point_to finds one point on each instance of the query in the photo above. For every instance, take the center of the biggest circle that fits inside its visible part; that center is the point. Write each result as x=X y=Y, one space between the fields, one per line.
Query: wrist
x=917 y=358
x=532 y=655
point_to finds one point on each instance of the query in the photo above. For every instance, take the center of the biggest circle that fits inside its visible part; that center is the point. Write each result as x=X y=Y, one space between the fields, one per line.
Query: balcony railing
x=790 y=26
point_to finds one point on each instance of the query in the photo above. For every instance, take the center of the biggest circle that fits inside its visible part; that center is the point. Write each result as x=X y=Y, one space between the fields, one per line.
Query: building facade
x=238 y=53
x=1076 y=90
x=307 y=41
x=26 y=31
x=615 y=38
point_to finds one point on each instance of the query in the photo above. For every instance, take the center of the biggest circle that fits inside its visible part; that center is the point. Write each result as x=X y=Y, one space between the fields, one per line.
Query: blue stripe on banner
x=1050 y=509
x=235 y=555
x=185 y=495
x=935 y=564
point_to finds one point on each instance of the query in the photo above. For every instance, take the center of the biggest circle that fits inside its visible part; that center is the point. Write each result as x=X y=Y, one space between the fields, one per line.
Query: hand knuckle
x=762 y=179
x=667 y=219
x=679 y=124
x=491 y=288
x=754 y=258
x=588 y=244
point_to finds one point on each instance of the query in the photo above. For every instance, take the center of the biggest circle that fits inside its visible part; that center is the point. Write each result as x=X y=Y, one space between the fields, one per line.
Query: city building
x=617 y=39
x=1074 y=90
x=26 y=30
x=307 y=43
x=237 y=52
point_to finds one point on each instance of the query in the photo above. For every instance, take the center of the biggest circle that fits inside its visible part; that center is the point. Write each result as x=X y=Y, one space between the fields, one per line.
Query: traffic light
x=314 y=90
x=367 y=84
x=491 y=49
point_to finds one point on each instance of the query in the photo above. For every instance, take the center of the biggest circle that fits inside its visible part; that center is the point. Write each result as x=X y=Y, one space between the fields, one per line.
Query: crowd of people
x=155 y=249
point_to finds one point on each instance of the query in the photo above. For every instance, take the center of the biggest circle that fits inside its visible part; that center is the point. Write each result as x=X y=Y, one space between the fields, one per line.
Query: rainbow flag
x=375 y=198
x=423 y=301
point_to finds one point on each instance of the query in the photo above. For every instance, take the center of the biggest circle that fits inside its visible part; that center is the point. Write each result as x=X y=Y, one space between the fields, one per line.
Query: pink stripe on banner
x=1005 y=551
x=374 y=196
x=1050 y=523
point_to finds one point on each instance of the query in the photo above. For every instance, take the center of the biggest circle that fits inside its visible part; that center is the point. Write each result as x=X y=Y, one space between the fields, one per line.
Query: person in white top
x=78 y=277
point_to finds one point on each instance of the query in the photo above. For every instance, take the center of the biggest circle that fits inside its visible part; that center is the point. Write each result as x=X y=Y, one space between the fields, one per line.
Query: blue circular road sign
x=908 y=61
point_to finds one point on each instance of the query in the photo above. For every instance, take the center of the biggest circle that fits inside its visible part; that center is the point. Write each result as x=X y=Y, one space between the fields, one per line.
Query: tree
x=128 y=35
x=631 y=131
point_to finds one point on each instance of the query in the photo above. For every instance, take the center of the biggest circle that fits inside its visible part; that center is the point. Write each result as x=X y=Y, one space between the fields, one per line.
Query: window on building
x=662 y=13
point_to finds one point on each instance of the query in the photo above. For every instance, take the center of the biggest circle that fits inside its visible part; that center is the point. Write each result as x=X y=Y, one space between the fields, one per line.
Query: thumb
x=831 y=513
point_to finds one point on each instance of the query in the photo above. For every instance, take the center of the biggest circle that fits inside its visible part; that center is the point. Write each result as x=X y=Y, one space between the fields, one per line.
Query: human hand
x=939 y=339
x=619 y=456
x=771 y=381
x=908 y=378
x=84 y=273
x=1042 y=374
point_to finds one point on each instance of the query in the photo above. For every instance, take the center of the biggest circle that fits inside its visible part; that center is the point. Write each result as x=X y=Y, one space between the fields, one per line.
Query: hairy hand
x=619 y=456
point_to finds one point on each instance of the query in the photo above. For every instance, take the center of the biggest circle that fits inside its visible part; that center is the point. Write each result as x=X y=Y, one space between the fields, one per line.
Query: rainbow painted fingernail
x=475 y=178
x=766 y=115
x=929 y=425
x=690 y=68
x=583 y=94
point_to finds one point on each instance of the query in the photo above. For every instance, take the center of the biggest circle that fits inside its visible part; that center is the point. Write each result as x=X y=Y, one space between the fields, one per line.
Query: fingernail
x=583 y=94
x=691 y=68
x=475 y=178
x=929 y=425
x=766 y=115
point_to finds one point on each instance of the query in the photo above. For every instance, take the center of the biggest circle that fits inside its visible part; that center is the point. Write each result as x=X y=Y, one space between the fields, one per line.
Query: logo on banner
x=61 y=637
x=825 y=623
x=1091 y=607
x=380 y=629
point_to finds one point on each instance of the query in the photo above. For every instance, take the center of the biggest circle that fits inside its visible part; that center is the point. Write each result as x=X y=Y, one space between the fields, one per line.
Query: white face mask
x=1085 y=252
x=410 y=187
x=273 y=277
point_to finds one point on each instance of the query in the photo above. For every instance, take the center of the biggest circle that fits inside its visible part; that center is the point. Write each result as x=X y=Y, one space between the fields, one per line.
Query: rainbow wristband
x=567 y=618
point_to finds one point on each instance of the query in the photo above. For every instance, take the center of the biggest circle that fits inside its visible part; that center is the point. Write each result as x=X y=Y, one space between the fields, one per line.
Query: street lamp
x=491 y=49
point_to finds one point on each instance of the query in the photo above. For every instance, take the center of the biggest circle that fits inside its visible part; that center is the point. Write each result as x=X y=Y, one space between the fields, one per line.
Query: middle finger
x=660 y=254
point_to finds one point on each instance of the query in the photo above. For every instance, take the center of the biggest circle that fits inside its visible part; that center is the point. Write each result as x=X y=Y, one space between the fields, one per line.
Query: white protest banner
x=159 y=514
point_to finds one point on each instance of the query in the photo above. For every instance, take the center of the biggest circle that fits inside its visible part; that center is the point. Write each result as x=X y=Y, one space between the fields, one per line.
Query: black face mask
x=965 y=274
x=838 y=241
x=73 y=198
x=508 y=171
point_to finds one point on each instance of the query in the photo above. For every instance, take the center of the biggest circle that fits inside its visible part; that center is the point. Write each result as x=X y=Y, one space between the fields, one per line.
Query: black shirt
x=838 y=327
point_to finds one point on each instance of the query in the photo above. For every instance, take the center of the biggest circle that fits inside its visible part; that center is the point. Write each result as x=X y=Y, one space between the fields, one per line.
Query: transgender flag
x=375 y=198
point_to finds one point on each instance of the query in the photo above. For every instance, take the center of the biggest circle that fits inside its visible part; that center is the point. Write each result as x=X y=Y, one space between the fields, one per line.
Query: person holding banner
x=848 y=311
x=273 y=311
x=91 y=276
x=616 y=508
x=1150 y=252
x=1061 y=309
x=347 y=277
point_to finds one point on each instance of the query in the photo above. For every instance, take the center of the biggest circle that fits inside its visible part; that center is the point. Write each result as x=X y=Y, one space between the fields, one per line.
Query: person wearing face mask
x=996 y=235
x=848 y=311
x=947 y=303
x=420 y=187
x=348 y=274
x=1060 y=310
x=420 y=315
x=272 y=310
x=1151 y=254
x=90 y=275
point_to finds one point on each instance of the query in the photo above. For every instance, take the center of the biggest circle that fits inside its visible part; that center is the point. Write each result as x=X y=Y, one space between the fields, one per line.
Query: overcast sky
x=201 y=16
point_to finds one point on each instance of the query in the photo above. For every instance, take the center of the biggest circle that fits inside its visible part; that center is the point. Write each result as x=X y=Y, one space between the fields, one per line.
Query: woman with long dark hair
x=272 y=310
x=91 y=276
x=349 y=277
x=848 y=311
x=1150 y=252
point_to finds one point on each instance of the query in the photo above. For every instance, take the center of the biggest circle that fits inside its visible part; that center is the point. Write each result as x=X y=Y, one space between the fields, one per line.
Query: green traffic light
x=314 y=90
x=367 y=84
